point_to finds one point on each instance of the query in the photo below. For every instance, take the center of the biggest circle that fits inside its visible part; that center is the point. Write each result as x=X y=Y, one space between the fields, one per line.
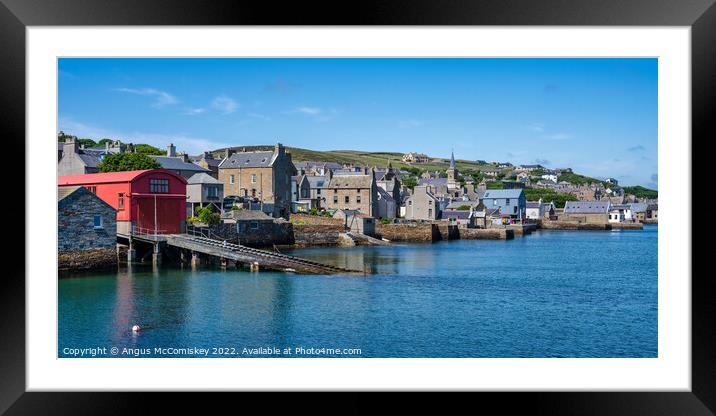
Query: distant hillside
x=362 y=158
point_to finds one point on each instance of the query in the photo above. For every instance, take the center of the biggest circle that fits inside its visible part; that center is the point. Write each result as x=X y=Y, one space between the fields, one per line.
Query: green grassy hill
x=361 y=158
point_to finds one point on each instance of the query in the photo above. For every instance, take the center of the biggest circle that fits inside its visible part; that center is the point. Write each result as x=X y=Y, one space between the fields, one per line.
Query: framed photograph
x=461 y=198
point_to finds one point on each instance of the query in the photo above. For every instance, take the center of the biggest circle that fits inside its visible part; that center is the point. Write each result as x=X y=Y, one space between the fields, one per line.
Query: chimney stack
x=227 y=153
x=70 y=146
x=279 y=149
x=171 y=150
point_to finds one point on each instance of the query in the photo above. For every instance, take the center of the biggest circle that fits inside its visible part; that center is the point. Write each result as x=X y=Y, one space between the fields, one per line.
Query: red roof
x=109 y=177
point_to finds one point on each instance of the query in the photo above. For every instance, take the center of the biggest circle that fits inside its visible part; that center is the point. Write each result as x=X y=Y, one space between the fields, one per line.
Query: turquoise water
x=550 y=294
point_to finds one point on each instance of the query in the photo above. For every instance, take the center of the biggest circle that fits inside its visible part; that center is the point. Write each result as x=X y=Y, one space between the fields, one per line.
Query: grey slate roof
x=639 y=207
x=435 y=182
x=460 y=215
x=250 y=214
x=175 y=163
x=317 y=181
x=201 y=177
x=533 y=204
x=351 y=181
x=248 y=160
x=502 y=193
x=587 y=207
x=91 y=160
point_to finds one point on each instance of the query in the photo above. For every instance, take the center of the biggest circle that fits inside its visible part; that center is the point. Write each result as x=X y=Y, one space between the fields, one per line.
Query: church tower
x=452 y=173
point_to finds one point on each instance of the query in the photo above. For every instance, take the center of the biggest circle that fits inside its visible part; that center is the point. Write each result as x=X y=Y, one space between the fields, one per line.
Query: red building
x=147 y=200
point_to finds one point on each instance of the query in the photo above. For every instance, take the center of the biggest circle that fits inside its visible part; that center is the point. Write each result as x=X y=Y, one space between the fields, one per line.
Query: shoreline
x=71 y=264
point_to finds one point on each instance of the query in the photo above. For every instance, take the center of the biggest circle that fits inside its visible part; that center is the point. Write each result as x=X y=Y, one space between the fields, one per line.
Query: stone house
x=261 y=175
x=356 y=192
x=77 y=161
x=652 y=211
x=591 y=212
x=208 y=162
x=203 y=189
x=534 y=210
x=84 y=221
x=510 y=201
x=301 y=194
x=356 y=221
x=422 y=205
x=414 y=157
x=387 y=206
x=463 y=219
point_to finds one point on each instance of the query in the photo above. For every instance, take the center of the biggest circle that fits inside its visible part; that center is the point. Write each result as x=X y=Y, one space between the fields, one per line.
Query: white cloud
x=537 y=128
x=225 y=104
x=194 y=111
x=311 y=111
x=161 y=98
x=183 y=142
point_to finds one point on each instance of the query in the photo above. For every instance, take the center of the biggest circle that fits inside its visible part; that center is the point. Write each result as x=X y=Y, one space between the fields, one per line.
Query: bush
x=386 y=220
x=313 y=211
x=463 y=208
x=236 y=208
x=191 y=220
x=208 y=216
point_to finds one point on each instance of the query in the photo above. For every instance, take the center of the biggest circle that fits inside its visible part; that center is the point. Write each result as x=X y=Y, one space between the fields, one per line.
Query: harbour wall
x=100 y=258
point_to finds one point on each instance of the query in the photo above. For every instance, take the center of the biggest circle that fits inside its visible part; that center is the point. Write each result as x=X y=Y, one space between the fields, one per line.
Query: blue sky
x=598 y=116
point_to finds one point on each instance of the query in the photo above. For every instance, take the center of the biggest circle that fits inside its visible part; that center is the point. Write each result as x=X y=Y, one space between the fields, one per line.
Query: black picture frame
x=15 y=15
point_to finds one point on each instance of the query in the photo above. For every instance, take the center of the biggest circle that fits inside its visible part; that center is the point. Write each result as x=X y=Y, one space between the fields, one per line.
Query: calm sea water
x=550 y=294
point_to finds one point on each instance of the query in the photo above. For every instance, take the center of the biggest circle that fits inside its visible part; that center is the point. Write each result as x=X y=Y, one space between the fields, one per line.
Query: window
x=304 y=193
x=254 y=225
x=507 y=201
x=358 y=191
x=494 y=202
x=410 y=202
x=212 y=192
x=318 y=191
x=348 y=199
x=97 y=221
x=160 y=186
x=335 y=199
x=231 y=179
x=358 y=199
x=430 y=212
x=253 y=178
x=515 y=210
x=120 y=201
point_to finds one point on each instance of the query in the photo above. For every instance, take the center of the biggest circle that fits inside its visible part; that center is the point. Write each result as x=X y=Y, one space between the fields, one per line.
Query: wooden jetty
x=255 y=258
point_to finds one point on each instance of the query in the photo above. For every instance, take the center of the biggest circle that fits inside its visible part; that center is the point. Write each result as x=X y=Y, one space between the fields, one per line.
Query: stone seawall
x=317 y=235
x=415 y=233
x=448 y=232
x=266 y=235
x=486 y=234
x=101 y=258
x=304 y=219
x=573 y=225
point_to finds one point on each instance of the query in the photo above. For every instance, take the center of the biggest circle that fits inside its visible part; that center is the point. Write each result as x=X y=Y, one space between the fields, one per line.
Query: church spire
x=452 y=159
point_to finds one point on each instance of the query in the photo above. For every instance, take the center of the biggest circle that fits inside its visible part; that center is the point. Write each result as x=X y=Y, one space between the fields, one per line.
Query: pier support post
x=223 y=263
x=131 y=252
x=254 y=266
x=156 y=255
x=194 y=260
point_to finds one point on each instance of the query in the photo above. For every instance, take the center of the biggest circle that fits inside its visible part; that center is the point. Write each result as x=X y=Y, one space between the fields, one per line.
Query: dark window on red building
x=160 y=186
x=120 y=201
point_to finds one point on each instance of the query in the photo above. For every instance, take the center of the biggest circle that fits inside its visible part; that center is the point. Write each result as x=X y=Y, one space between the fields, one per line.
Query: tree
x=147 y=149
x=410 y=182
x=121 y=162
